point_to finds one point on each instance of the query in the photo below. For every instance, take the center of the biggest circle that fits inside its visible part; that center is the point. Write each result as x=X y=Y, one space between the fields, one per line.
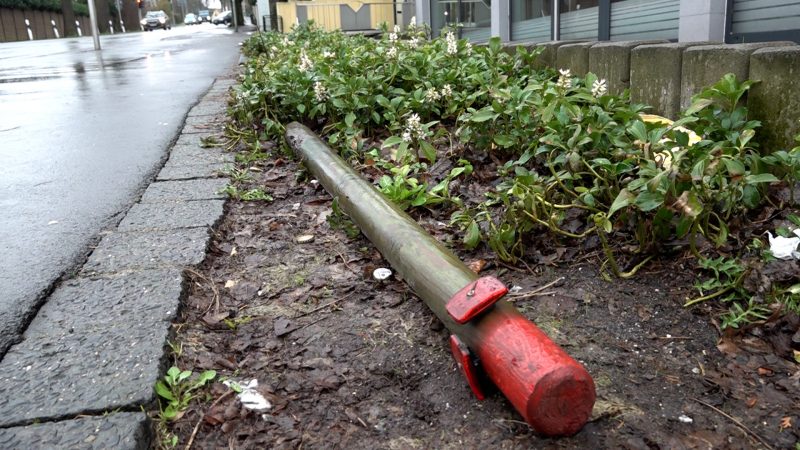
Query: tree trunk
x=69 y=18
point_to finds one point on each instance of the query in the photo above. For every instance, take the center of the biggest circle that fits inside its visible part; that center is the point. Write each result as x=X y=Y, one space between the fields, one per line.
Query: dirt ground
x=349 y=362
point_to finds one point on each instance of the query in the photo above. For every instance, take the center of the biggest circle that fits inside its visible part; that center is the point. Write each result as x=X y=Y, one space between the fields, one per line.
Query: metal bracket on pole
x=475 y=298
x=469 y=366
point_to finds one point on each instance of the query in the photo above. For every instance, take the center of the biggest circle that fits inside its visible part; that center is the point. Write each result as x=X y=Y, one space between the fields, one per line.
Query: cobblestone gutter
x=89 y=360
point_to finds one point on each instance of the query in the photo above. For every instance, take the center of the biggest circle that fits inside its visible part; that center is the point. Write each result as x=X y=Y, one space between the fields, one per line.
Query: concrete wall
x=667 y=75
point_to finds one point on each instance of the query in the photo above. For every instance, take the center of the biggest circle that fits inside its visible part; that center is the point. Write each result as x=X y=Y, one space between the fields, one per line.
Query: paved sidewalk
x=89 y=360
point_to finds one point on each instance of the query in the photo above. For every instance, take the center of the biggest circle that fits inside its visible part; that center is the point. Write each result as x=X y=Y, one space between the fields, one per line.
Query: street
x=81 y=134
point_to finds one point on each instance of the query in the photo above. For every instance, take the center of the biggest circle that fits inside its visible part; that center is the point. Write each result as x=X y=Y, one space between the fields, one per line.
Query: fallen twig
x=332 y=302
x=203 y=416
x=535 y=292
x=739 y=424
x=213 y=289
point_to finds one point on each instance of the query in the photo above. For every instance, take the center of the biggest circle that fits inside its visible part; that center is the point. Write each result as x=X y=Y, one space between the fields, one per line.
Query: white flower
x=414 y=42
x=599 y=88
x=447 y=91
x=432 y=95
x=396 y=28
x=392 y=52
x=413 y=128
x=412 y=22
x=564 y=80
x=320 y=92
x=413 y=121
x=305 y=63
x=452 y=43
x=327 y=54
x=468 y=46
x=392 y=37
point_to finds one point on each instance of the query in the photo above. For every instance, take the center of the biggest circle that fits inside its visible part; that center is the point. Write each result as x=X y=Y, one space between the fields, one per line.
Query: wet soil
x=350 y=362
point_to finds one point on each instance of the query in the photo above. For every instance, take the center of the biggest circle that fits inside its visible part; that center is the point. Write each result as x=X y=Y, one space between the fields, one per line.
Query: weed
x=249 y=195
x=234 y=323
x=178 y=388
x=209 y=142
x=239 y=175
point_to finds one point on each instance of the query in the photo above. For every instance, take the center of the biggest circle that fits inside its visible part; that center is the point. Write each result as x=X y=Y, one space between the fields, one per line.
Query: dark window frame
x=764 y=36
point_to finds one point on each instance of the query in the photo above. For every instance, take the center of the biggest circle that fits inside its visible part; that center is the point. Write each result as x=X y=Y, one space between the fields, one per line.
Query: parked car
x=224 y=18
x=156 y=19
x=203 y=16
x=190 y=19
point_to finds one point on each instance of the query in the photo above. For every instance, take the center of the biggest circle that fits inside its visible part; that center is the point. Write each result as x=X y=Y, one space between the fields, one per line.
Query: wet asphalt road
x=81 y=134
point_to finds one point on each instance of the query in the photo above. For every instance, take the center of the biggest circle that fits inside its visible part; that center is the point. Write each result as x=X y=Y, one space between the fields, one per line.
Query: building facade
x=731 y=21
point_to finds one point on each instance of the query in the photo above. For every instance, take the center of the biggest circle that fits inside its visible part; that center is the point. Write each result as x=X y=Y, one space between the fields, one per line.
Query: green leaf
x=383 y=101
x=761 y=178
x=170 y=412
x=697 y=105
x=504 y=140
x=163 y=391
x=206 y=376
x=750 y=196
x=638 y=130
x=745 y=137
x=428 y=151
x=349 y=119
x=722 y=236
x=301 y=108
x=684 y=224
x=473 y=235
x=624 y=198
x=483 y=115
x=734 y=166
x=690 y=204
x=391 y=140
x=648 y=201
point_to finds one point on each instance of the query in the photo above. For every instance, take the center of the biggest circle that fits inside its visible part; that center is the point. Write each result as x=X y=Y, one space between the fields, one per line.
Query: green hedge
x=44 y=5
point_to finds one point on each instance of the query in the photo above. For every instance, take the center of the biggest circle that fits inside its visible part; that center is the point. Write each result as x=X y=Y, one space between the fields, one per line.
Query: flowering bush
x=569 y=157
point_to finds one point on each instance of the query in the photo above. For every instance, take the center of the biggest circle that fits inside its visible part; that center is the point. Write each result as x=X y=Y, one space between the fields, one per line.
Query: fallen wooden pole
x=552 y=391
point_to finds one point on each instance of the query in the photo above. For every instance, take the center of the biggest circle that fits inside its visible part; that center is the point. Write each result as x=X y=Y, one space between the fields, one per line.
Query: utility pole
x=235 y=18
x=93 y=20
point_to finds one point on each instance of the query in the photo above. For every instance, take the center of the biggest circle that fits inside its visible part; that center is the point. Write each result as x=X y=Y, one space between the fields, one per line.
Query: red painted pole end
x=553 y=392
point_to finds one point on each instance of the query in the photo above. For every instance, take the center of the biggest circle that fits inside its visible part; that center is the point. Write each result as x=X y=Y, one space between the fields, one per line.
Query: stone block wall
x=667 y=75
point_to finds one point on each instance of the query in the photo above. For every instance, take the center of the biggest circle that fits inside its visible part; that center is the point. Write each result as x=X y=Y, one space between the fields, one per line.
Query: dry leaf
x=477 y=265
x=751 y=402
x=765 y=371
x=229 y=284
x=786 y=422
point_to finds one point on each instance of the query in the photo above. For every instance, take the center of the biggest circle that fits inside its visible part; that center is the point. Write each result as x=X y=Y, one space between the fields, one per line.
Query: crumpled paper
x=783 y=247
x=250 y=397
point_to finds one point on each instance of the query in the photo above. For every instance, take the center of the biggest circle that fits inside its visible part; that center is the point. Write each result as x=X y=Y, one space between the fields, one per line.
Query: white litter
x=783 y=247
x=381 y=273
x=685 y=419
x=250 y=397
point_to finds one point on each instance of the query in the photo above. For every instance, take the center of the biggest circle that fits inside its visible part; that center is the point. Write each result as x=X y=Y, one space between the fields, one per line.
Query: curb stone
x=119 y=431
x=98 y=344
